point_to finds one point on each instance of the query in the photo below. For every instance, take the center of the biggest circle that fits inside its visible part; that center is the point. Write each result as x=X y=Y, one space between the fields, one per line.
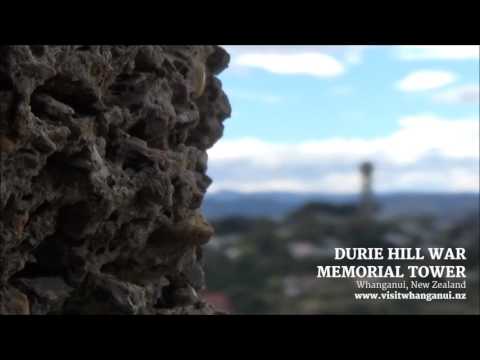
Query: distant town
x=271 y=244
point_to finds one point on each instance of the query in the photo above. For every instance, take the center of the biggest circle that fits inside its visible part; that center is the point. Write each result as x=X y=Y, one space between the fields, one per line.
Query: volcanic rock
x=102 y=174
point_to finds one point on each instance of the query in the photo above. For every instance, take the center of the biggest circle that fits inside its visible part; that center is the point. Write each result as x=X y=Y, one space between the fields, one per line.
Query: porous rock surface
x=103 y=171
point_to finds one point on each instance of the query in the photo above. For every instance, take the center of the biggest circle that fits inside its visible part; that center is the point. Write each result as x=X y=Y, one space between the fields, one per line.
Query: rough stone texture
x=103 y=170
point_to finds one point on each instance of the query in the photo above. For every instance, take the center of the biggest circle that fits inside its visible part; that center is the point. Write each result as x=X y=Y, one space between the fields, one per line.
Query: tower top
x=367 y=206
x=366 y=168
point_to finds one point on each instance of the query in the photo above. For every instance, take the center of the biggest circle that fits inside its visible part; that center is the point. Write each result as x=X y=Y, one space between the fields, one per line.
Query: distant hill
x=278 y=204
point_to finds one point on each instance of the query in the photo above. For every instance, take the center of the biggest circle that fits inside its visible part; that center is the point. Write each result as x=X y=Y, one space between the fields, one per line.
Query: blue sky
x=305 y=116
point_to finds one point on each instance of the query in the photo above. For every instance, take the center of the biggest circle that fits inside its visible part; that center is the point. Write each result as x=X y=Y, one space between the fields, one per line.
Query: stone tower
x=366 y=202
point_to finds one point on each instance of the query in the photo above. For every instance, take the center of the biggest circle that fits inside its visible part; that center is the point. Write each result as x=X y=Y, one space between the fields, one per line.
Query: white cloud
x=335 y=183
x=462 y=180
x=451 y=180
x=350 y=53
x=422 y=134
x=426 y=153
x=314 y=60
x=315 y=64
x=468 y=94
x=422 y=80
x=438 y=52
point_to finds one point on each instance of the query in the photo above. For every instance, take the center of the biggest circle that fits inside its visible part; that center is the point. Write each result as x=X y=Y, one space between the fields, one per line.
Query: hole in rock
x=114 y=216
x=37 y=50
x=135 y=108
x=27 y=197
x=73 y=219
x=57 y=167
x=75 y=93
x=110 y=181
x=5 y=82
x=137 y=162
x=101 y=250
x=117 y=89
x=138 y=130
x=168 y=213
x=33 y=270
x=45 y=206
x=49 y=256
x=164 y=238
x=181 y=68
x=180 y=95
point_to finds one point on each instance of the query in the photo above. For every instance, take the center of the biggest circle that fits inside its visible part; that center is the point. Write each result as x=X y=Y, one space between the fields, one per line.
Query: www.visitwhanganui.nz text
x=396 y=295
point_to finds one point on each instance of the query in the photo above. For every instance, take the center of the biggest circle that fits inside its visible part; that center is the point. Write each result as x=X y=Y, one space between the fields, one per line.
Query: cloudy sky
x=304 y=117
